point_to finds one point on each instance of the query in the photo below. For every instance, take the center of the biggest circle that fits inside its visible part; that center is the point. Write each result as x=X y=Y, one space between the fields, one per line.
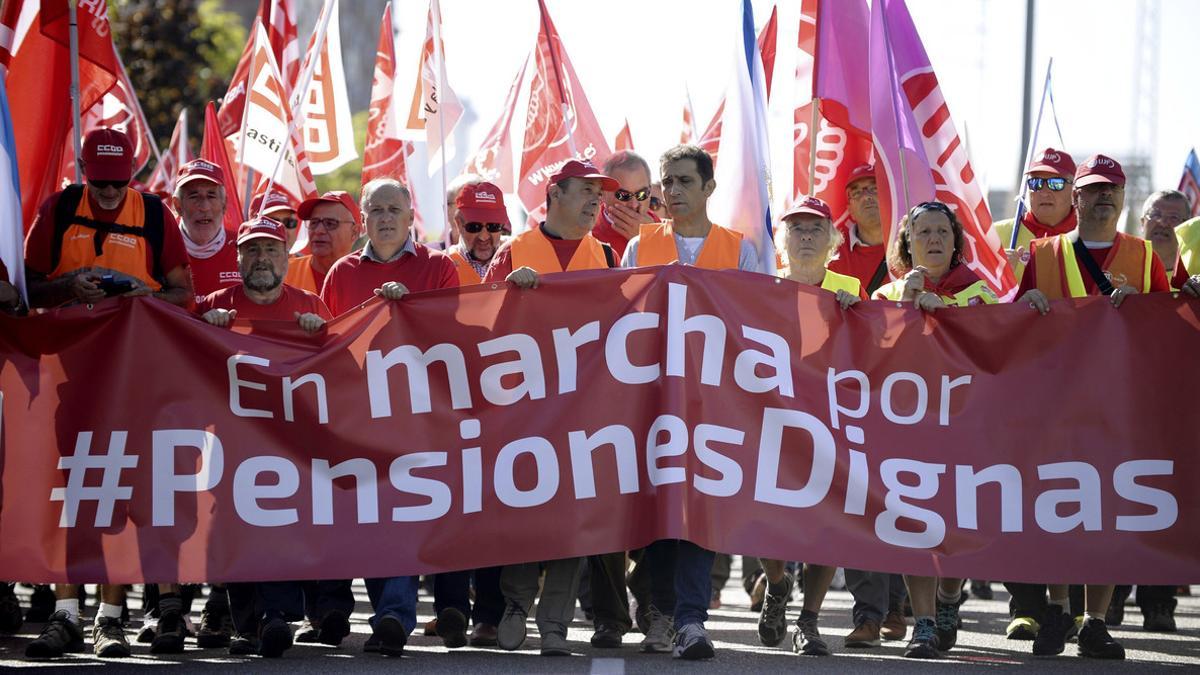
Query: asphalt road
x=981 y=646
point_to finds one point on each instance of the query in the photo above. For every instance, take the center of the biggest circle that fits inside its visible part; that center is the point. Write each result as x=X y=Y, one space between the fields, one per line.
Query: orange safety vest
x=124 y=250
x=467 y=276
x=300 y=274
x=533 y=249
x=1059 y=273
x=720 y=250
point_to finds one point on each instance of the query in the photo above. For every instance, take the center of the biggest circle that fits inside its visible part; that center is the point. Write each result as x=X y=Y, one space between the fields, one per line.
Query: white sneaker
x=659 y=634
x=692 y=643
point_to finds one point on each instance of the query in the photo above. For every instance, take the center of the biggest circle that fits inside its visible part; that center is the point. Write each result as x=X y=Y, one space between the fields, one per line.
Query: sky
x=638 y=59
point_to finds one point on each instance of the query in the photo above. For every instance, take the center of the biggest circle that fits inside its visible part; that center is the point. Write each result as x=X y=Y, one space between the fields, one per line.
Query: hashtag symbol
x=110 y=489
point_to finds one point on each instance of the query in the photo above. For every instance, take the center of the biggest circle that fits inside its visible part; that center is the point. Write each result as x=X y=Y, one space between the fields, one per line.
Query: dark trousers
x=322 y=597
x=1148 y=597
x=680 y=579
x=489 y=601
x=452 y=589
x=610 y=602
x=254 y=604
x=1030 y=600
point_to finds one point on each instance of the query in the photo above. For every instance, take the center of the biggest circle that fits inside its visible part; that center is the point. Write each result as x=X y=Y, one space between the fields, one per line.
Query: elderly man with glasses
x=334 y=224
x=627 y=207
x=1048 y=210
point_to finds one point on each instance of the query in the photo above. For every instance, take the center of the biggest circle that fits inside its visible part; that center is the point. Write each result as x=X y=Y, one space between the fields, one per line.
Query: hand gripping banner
x=599 y=412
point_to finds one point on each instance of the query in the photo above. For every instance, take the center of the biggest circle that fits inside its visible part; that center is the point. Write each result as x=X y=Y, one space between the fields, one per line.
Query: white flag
x=435 y=108
x=328 y=130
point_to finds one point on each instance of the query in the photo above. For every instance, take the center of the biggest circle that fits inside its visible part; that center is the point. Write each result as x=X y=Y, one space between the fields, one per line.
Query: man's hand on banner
x=392 y=290
x=1119 y=294
x=311 y=323
x=1191 y=287
x=1037 y=300
x=846 y=299
x=523 y=278
x=220 y=317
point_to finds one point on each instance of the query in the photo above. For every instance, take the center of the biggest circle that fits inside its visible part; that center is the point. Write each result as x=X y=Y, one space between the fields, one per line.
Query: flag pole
x=73 y=24
x=141 y=114
x=562 y=93
x=247 y=190
x=436 y=8
x=812 y=148
x=1029 y=151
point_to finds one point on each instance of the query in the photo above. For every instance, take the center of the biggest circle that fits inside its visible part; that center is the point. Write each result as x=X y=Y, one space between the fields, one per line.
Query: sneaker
x=555 y=644
x=772 y=622
x=333 y=628
x=169 y=639
x=510 y=634
x=660 y=632
x=947 y=622
x=607 y=637
x=451 y=627
x=758 y=592
x=692 y=643
x=1096 y=643
x=309 y=633
x=149 y=629
x=243 y=645
x=864 y=635
x=216 y=623
x=1022 y=628
x=1159 y=618
x=484 y=635
x=807 y=640
x=275 y=639
x=1051 y=638
x=894 y=627
x=108 y=638
x=60 y=636
x=982 y=589
x=11 y=616
x=392 y=636
x=924 y=642
x=641 y=615
x=41 y=604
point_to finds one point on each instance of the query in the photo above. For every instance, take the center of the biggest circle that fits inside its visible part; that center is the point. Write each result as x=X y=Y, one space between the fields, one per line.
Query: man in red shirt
x=199 y=199
x=862 y=253
x=334 y=224
x=626 y=208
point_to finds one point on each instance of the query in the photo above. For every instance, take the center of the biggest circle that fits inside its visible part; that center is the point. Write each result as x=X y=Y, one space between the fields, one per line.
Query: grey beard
x=261 y=287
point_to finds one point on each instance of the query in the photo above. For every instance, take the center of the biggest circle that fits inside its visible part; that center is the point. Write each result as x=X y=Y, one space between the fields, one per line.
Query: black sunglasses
x=656 y=203
x=1056 y=184
x=101 y=184
x=623 y=195
x=289 y=223
x=476 y=228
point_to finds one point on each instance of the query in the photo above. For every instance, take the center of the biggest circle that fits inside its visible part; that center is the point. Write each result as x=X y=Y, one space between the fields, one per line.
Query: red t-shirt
x=292 y=300
x=501 y=265
x=353 y=279
x=39 y=243
x=859 y=261
x=1158 y=273
x=216 y=271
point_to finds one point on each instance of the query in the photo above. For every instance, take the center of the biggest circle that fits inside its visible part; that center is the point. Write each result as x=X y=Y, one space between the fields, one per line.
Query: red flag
x=624 y=140
x=39 y=81
x=162 y=181
x=213 y=149
x=688 y=134
x=279 y=16
x=710 y=140
x=435 y=109
x=559 y=125
x=494 y=159
x=385 y=153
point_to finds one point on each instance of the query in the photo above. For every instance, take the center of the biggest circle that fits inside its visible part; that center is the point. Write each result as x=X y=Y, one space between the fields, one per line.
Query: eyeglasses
x=656 y=203
x=623 y=195
x=476 y=228
x=291 y=223
x=330 y=224
x=1056 y=184
x=101 y=184
x=863 y=190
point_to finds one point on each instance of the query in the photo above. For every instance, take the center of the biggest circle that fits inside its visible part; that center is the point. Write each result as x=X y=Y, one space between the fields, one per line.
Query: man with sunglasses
x=278 y=206
x=334 y=224
x=199 y=200
x=626 y=208
x=480 y=219
x=1048 y=210
x=862 y=253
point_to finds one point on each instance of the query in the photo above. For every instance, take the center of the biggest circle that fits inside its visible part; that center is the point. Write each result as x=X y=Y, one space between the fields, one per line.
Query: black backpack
x=151 y=231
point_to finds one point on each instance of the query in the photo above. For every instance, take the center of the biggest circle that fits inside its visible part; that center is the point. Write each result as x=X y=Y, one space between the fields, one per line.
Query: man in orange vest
x=563 y=242
x=1048 y=209
x=334 y=224
x=480 y=219
x=689 y=237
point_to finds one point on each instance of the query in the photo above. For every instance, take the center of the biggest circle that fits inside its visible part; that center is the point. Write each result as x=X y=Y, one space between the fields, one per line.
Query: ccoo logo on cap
x=107 y=155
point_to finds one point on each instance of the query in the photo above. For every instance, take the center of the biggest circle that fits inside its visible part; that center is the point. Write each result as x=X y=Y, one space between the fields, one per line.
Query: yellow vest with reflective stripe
x=978 y=293
x=834 y=282
x=1004 y=229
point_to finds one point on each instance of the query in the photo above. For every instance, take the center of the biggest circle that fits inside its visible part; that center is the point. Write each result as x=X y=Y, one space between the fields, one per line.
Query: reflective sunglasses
x=1056 y=184
x=101 y=184
x=290 y=223
x=656 y=203
x=623 y=195
x=476 y=228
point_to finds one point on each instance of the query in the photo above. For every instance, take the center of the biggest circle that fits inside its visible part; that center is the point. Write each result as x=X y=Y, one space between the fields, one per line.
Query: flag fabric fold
x=1189 y=183
x=213 y=149
x=179 y=152
x=12 y=233
x=327 y=127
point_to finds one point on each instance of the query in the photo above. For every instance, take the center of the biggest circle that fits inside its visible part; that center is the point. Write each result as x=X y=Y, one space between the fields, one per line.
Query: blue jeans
x=681 y=579
x=395 y=596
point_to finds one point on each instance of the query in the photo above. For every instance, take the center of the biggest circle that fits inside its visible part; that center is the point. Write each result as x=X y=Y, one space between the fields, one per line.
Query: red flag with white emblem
x=386 y=153
x=162 y=180
x=494 y=159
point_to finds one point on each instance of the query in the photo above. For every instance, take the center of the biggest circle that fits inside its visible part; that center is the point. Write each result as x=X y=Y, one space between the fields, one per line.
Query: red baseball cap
x=810 y=205
x=332 y=197
x=1053 y=161
x=107 y=155
x=861 y=171
x=261 y=228
x=200 y=169
x=483 y=203
x=1099 y=169
x=578 y=169
x=275 y=201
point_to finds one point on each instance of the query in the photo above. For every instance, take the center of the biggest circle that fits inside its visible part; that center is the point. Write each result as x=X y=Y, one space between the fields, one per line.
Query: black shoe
x=216 y=625
x=310 y=633
x=1159 y=618
x=243 y=645
x=924 y=642
x=452 y=628
x=334 y=628
x=607 y=637
x=772 y=618
x=1096 y=643
x=947 y=623
x=60 y=636
x=108 y=638
x=146 y=634
x=11 y=616
x=1051 y=637
x=371 y=646
x=169 y=639
x=276 y=638
x=41 y=604
x=982 y=589
x=392 y=636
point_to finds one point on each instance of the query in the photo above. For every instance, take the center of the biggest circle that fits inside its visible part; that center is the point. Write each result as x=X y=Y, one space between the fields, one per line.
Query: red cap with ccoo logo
x=261 y=228
x=481 y=203
x=200 y=169
x=107 y=155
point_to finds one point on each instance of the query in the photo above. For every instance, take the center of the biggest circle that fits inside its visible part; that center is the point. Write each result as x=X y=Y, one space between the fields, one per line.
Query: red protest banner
x=603 y=410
